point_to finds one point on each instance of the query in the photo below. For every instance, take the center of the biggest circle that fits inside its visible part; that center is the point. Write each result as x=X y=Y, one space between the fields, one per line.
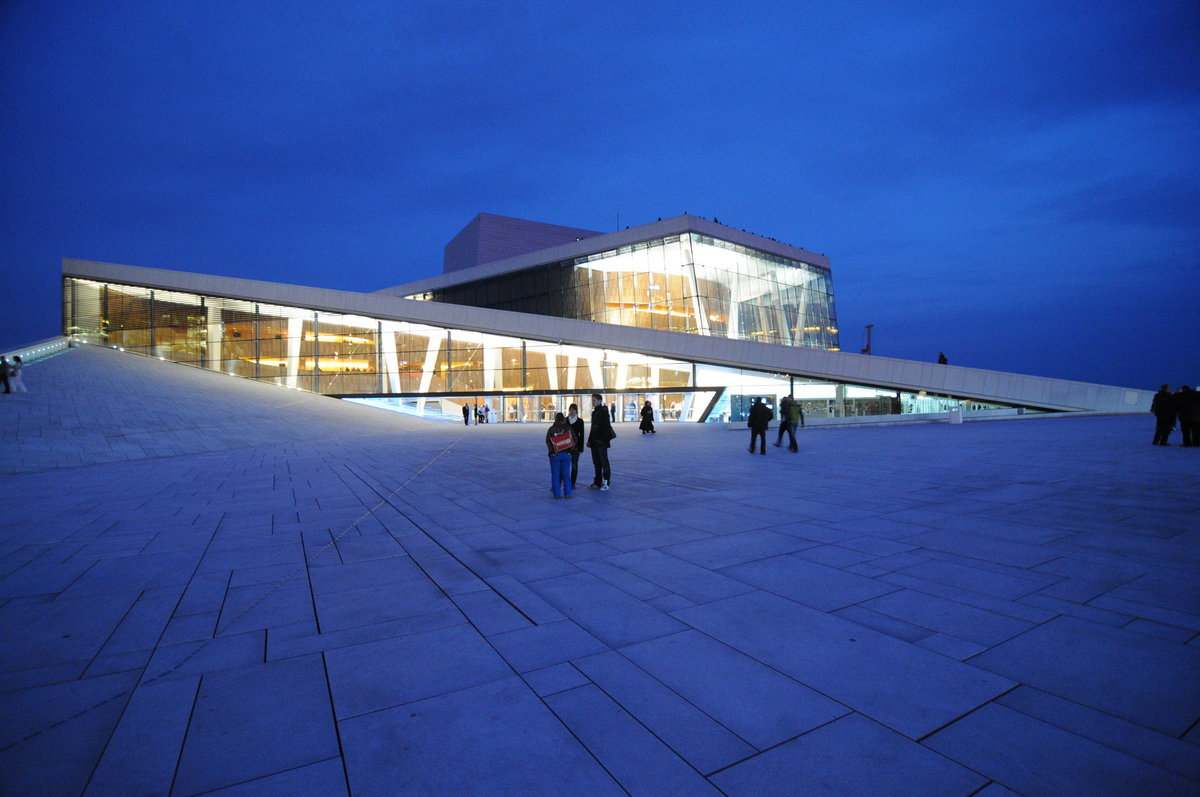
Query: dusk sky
x=1014 y=183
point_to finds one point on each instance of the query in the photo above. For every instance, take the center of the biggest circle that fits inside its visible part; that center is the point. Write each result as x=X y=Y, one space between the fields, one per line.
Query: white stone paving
x=208 y=584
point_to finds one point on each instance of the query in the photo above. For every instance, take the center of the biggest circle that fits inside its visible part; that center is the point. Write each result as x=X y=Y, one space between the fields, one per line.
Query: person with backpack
x=559 y=442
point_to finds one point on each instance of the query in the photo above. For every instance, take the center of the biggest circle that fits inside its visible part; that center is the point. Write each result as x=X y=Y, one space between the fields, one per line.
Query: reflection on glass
x=682 y=283
x=434 y=371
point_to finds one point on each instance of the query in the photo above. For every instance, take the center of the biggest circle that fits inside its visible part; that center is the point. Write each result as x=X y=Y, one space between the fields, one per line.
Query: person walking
x=576 y=424
x=18 y=382
x=647 y=424
x=785 y=407
x=466 y=415
x=1187 y=408
x=600 y=437
x=5 y=372
x=791 y=415
x=760 y=418
x=1163 y=408
x=560 y=440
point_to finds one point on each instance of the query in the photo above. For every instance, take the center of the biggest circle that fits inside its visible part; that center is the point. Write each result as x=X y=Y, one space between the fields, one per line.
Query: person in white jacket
x=15 y=367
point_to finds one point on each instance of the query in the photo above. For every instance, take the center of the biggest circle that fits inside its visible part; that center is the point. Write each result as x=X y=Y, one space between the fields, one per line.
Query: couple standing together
x=564 y=444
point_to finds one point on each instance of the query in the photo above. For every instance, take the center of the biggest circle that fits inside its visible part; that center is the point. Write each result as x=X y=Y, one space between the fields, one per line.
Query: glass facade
x=681 y=283
x=431 y=370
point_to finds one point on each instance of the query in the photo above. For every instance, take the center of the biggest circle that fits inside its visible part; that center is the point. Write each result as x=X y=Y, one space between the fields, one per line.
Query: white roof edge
x=604 y=242
x=884 y=372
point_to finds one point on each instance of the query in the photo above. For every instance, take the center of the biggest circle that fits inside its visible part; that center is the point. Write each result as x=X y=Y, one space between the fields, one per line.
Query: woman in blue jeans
x=560 y=440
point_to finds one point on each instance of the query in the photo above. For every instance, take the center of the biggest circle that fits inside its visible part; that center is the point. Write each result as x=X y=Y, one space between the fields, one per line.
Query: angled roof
x=884 y=372
x=605 y=242
x=489 y=237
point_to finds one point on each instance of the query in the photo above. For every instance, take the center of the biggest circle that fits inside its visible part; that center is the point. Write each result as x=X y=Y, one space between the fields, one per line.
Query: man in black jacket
x=1187 y=407
x=599 y=438
x=1163 y=407
x=760 y=419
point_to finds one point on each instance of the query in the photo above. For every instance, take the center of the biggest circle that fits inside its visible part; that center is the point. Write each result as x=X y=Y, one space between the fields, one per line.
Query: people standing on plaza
x=600 y=437
x=5 y=372
x=647 y=424
x=16 y=379
x=576 y=424
x=466 y=415
x=760 y=419
x=560 y=440
x=1187 y=408
x=1163 y=408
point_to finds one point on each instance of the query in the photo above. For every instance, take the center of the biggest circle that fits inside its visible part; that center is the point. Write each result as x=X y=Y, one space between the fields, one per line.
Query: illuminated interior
x=682 y=283
x=433 y=371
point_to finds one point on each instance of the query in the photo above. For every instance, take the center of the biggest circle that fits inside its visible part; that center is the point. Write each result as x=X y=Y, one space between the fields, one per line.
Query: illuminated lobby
x=698 y=318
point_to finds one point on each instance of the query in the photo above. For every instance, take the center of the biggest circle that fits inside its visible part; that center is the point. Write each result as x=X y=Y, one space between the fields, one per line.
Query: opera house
x=697 y=317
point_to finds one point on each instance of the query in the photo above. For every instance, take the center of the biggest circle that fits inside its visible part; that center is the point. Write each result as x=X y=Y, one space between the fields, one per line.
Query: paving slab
x=754 y=701
x=57 y=750
x=1142 y=679
x=390 y=672
x=1034 y=758
x=940 y=614
x=640 y=762
x=609 y=614
x=902 y=686
x=697 y=737
x=257 y=721
x=543 y=645
x=1159 y=749
x=143 y=752
x=819 y=586
x=852 y=756
x=323 y=779
x=499 y=734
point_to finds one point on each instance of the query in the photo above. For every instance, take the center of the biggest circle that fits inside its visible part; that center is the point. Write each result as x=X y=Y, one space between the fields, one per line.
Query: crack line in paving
x=205 y=643
x=439 y=544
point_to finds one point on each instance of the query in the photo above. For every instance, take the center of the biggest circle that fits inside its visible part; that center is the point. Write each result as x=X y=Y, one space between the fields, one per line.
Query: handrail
x=41 y=349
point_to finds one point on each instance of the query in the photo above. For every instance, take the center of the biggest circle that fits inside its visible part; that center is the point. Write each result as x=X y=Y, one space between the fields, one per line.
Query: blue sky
x=1014 y=183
